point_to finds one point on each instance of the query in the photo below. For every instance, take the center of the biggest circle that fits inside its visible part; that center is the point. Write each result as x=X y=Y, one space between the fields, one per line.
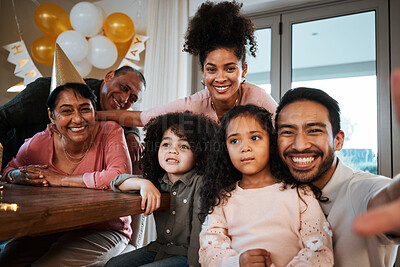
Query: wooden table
x=43 y=210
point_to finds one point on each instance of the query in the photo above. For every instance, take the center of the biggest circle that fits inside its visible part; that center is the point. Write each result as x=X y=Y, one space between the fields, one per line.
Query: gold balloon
x=52 y=19
x=122 y=48
x=119 y=27
x=42 y=50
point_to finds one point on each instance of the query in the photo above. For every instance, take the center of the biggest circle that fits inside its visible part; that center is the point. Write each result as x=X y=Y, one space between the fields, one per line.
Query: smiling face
x=248 y=147
x=73 y=116
x=120 y=92
x=175 y=155
x=306 y=143
x=222 y=72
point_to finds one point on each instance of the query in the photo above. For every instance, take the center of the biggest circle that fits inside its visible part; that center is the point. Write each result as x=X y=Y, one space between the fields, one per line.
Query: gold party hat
x=63 y=71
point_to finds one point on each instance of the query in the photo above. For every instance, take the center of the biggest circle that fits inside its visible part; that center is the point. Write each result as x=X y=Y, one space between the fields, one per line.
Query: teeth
x=303 y=160
x=77 y=129
x=172 y=160
x=221 y=88
x=116 y=102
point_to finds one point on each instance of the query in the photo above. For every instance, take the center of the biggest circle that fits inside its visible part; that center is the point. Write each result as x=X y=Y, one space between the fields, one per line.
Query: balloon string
x=16 y=20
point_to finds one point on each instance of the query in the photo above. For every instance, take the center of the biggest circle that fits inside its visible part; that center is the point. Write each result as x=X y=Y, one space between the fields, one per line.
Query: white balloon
x=83 y=67
x=103 y=14
x=102 y=52
x=86 y=18
x=74 y=45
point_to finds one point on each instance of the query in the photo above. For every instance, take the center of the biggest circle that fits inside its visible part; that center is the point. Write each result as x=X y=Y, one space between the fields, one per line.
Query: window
x=337 y=55
x=343 y=50
x=259 y=68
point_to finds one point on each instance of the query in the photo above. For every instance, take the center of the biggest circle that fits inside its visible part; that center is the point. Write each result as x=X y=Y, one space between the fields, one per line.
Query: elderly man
x=309 y=133
x=26 y=113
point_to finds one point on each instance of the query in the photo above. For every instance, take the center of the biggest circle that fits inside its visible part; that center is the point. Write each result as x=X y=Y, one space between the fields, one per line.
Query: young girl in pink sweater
x=254 y=214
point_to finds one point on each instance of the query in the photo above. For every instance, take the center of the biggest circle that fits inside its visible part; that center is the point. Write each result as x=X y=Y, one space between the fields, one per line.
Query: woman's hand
x=151 y=197
x=41 y=172
x=255 y=258
x=29 y=175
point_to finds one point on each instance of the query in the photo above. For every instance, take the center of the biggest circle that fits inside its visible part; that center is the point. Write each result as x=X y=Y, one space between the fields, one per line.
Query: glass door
x=263 y=70
x=259 y=68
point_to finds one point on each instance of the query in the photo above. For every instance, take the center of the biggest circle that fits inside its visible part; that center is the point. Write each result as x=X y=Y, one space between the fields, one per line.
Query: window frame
x=281 y=82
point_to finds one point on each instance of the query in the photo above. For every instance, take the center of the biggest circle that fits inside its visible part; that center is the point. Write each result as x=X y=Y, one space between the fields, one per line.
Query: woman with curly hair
x=255 y=215
x=221 y=36
x=174 y=160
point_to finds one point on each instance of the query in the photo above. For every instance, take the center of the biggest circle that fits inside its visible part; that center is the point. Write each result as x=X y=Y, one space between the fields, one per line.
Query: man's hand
x=385 y=219
x=255 y=258
x=380 y=220
x=135 y=148
x=52 y=129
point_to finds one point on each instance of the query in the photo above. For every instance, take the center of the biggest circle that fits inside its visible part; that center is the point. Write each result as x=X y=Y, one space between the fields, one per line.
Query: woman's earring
x=203 y=83
x=53 y=129
x=243 y=79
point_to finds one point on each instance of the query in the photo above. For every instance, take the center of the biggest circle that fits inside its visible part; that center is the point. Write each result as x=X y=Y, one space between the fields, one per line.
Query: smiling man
x=26 y=114
x=308 y=127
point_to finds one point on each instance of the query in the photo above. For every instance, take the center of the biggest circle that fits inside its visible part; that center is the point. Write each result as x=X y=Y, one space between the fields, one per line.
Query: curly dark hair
x=197 y=129
x=220 y=25
x=221 y=175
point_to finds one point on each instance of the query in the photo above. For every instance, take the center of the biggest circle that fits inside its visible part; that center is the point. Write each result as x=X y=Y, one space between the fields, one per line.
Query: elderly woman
x=220 y=35
x=80 y=153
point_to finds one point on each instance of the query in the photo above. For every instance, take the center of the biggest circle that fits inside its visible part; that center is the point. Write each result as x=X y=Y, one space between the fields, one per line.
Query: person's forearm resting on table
x=44 y=177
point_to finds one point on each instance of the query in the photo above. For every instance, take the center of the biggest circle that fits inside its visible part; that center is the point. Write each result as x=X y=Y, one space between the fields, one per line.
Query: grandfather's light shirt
x=349 y=192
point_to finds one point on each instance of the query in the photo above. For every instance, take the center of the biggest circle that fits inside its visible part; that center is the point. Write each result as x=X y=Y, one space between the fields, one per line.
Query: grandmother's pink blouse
x=107 y=158
x=200 y=103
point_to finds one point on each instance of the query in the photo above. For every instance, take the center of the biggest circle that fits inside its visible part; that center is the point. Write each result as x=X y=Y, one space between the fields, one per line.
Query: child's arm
x=215 y=244
x=316 y=235
x=151 y=197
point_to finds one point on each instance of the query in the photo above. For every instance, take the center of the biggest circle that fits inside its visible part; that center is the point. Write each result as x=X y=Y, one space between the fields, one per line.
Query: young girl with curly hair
x=255 y=215
x=221 y=36
x=174 y=160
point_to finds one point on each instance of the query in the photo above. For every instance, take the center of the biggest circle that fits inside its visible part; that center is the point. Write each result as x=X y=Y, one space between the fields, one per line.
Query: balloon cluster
x=81 y=36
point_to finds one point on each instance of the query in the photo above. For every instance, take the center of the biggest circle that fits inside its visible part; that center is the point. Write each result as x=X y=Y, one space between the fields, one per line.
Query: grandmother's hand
x=29 y=175
x=42 y=172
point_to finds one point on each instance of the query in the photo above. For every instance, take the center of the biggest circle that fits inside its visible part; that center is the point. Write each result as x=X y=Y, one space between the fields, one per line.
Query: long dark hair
x=221 y=176
x=197 y=129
